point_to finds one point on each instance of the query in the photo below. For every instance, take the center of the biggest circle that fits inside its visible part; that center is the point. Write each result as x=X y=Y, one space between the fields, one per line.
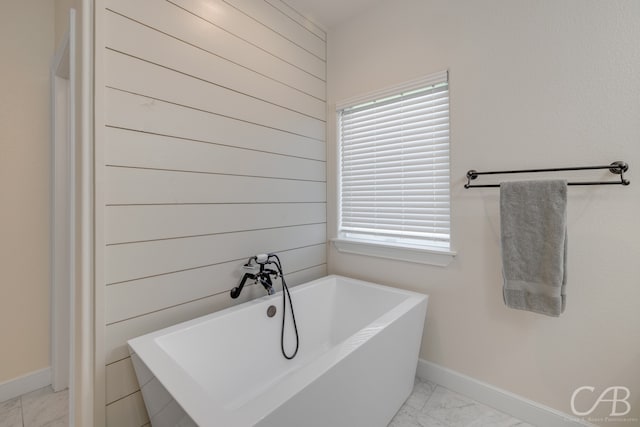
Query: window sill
x=435 y=256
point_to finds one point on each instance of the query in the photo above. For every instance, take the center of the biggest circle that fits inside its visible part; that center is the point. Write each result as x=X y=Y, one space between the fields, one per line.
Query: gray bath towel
x=533 y=220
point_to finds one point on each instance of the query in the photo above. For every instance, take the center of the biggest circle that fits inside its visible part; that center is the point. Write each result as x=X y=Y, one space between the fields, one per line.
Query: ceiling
x=329 y=13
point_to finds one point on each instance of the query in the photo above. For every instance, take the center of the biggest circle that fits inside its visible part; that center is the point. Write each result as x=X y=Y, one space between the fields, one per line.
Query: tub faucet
x=263 y=275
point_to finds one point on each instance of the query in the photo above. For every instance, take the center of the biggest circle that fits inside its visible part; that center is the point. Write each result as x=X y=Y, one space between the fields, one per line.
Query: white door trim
x=63 y=207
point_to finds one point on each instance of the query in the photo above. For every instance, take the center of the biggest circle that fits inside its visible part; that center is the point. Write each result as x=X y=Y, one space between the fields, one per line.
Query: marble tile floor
x=40 y=408
x=431 y=405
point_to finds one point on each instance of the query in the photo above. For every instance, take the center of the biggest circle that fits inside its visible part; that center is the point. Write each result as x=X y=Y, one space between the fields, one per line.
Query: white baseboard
x=502 y=400
x=25 y=384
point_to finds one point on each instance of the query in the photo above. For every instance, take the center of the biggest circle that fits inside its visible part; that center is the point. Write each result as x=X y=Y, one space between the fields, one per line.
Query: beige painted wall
x=533 y=84
x=62 y=18
x=26 y=47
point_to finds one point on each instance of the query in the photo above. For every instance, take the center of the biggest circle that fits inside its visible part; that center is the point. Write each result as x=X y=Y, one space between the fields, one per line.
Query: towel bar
x=618 y=168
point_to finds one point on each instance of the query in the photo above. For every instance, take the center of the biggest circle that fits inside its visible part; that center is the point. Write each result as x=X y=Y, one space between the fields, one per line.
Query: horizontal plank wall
x=211 y=142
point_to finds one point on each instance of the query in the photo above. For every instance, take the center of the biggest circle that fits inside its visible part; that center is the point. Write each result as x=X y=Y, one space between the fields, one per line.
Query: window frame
x=422 y=253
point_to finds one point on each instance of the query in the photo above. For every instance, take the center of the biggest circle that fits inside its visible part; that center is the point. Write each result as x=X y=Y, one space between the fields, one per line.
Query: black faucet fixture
x=263 y=276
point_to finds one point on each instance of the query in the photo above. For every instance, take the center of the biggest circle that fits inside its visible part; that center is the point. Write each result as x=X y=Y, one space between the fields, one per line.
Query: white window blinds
x=394 y=166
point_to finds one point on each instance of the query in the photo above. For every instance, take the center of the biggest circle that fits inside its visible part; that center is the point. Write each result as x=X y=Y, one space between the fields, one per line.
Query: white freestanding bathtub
x=356 y=364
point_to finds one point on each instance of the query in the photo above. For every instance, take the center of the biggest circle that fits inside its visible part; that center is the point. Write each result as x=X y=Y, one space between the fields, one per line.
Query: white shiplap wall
x=211 y=143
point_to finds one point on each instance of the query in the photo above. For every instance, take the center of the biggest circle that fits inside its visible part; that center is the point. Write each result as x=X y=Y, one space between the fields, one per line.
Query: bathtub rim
x=186 y=391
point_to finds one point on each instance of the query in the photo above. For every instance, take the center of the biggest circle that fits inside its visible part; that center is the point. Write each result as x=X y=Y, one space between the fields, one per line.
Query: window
x=394 y=171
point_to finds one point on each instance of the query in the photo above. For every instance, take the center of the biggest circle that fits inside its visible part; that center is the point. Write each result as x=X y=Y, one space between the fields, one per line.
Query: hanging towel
x=533 y=220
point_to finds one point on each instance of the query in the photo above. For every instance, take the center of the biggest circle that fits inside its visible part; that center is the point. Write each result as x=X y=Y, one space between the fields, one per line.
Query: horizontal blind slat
x=399 y=156
x=401 y=228
x=377 y=232
x=432 y=113
x=385 y=102
x=417 y=173
x=403 y=113
x=380 y=168
x=407 y=203
x=390 y=131
x=420 y=150
x=415 y=226
x=410 y=141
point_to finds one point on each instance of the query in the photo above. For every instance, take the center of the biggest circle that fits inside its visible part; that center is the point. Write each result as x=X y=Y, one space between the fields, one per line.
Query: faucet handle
x=235 y=292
